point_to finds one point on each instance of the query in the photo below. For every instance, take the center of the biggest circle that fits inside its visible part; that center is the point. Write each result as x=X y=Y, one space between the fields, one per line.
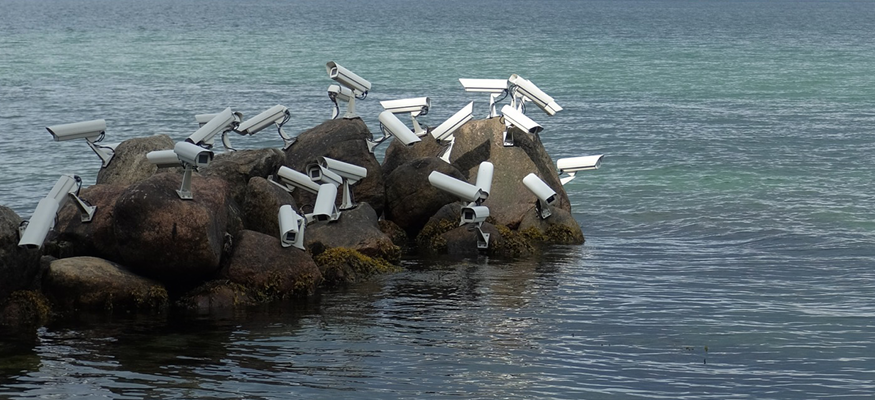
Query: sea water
x=730 y=230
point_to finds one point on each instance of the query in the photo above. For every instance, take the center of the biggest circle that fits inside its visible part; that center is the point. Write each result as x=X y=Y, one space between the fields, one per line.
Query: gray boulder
x=357 y=229
x=129 y=164
x=161 y=236
x=410 y=199
x=238 y=167
x=90 y=283
x=19 y=267
x=343 y=140
x=269 y=270
x=262 y=204
x=94 y=238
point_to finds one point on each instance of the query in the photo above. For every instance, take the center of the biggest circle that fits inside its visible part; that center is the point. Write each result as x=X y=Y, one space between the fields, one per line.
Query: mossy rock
x=216 y=295
x=24 y=309
x=341 y=265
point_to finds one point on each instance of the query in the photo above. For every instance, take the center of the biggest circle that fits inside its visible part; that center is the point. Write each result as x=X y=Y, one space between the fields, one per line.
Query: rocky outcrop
x=262 y=204
x=94 y=238
x=341 y=266
x=19 y=268
x=237 y=168
x=343 y=140
x=161 y=236
x=215 y=296
x=357 y=229
x=90 y=283
x=410 y=199
x=270 y=271
x=129 y=164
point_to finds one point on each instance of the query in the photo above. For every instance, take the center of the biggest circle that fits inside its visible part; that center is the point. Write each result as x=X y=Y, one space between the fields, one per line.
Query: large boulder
x=90 y=283
x=558 y=228
x=238 y=167
x=170 y=239
x=410 y=199
x=129 y=164
x=94 y=238
x=443 y=234
x=19 y=267
x=343 y=140
x=356 y=229
x=269 y=270
x=261 y=206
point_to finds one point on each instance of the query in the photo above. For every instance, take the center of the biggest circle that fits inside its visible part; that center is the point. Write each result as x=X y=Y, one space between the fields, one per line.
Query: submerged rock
x=341 y=266
x=90 y=283
x=129 y=164
x=343 y=140
x=214 y=296
x=24 y=310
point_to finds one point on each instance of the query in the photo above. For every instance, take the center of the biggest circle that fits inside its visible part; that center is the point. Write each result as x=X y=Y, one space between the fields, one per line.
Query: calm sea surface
x=730 y=233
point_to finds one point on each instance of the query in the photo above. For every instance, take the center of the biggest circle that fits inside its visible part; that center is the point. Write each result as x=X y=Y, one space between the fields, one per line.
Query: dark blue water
x=730 y=231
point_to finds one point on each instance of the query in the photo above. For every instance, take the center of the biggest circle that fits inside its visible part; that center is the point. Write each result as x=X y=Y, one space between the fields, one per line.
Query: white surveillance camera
x=546 y=195
x=495 y=88
x=277 y=115
x=484 y=177
x=392 y=126
x=163 y=158
x=92 y=131
x=474 y=214
x=523 y=89
x=329 y=170
x=341 y=94
x=192 y=157
x=445 y=131
x=33 y=232
x=459 y=188
x=414 y=106
x=291 y=227
x=572 y=165
x=290 y=179
x=325 y=209
x=221 y=123
x=347 y=78
x=514 y=117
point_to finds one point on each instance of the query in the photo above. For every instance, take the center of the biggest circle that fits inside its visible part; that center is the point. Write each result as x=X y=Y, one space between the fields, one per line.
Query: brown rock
x=411 y=200
x=19 y=267
x=129 y=164
x=356 y=229
x=95 y=238
x=238 y=167
x=262 y=204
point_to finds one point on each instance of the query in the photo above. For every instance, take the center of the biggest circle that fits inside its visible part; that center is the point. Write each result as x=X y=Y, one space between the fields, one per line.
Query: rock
x=410 y=199
x=214 y=296
x=262 y=204
x=90 y=283
x=341 y=266
x=24 y=310
x=559 y=228
x=237 y=168
x=356 y=229
x=343 y=140
x=95 y=238
x=394 y=232
x=270 y=271
x=398 y=154
x=129 y=164
x=19 y=267
x=443 y=235
x=176 y=241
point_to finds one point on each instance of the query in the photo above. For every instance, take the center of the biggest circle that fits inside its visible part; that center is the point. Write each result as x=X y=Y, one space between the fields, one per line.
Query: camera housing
x=163 y=158
x=337 y=94
x=545 y=194
x=92 y=131
x=290 y=179
x=572 y=165
x=32 y=233
x=350 y=80
x=444 y=132
x=220 y=123
x=473 y=212
x=277 y=115
x=291 y=227
x=522 y=89
x=329 y=170
x=513 y=117
x=495 y=88
x=325 y=209
x=192 y=157
x=415 y=106
x=390 y=125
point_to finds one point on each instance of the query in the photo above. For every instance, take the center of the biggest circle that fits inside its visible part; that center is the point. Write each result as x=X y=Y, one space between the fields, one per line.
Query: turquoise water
x=729 y=233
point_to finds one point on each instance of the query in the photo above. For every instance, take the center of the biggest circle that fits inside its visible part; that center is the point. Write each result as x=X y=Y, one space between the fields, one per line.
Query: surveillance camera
x=324 y=209
x=202 y=119
x=290 y=179
x=495 y=88
x=392 y=126
x=337 y=93
x=277 y=115
x=92 y=131
x=320 y=174
x=415 y=106
x=352 y=173
x=221 y=123
x=523 y=89
x=291 y=227
x=193 y=155
x=448 y=127
x=347 y=78
x=513 y=117
x=474 y=214
x=484 y=177
x=33 y=232
x=163 y=158
x=461 y=189
x=349 y=174
x=572 y=165
x=546 y=195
